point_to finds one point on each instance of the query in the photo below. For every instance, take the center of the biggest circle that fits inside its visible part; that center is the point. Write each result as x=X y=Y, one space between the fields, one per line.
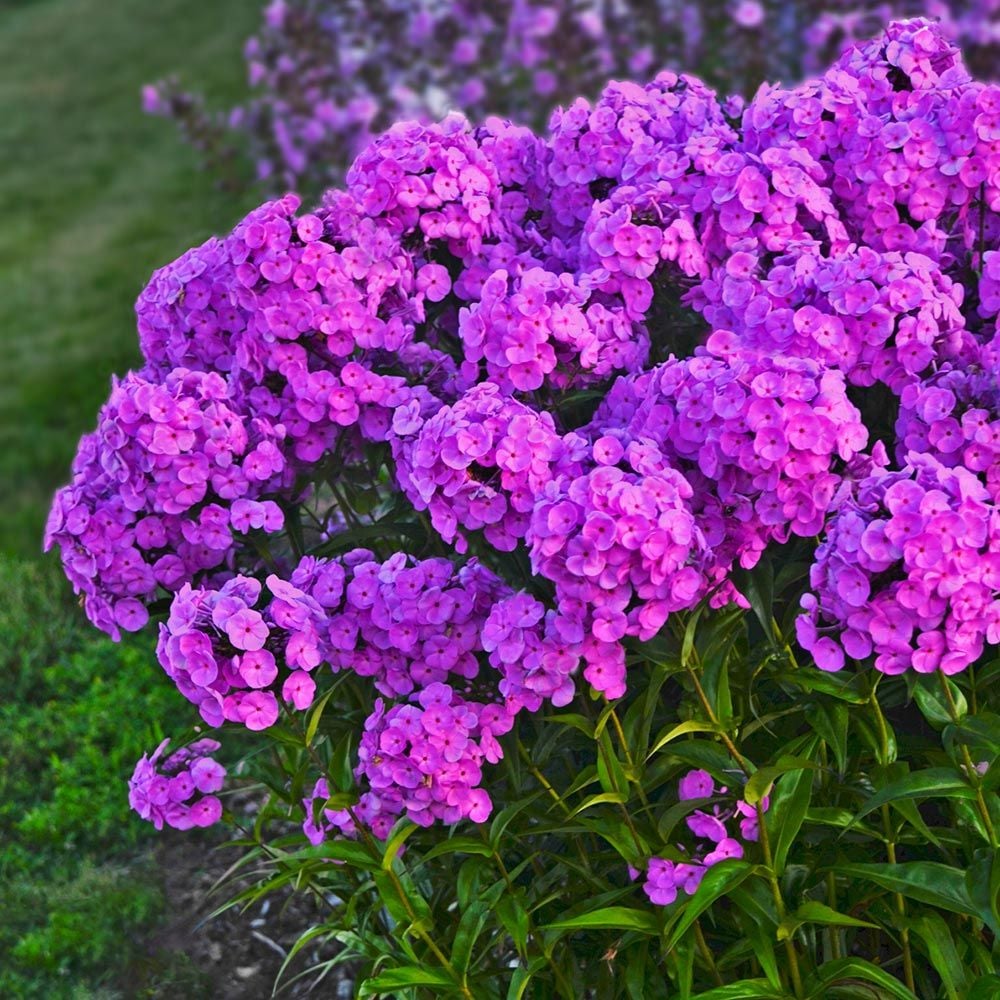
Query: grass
x=93 y=196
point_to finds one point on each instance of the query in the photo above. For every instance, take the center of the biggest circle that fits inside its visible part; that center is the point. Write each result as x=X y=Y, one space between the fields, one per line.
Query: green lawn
x=93 y=196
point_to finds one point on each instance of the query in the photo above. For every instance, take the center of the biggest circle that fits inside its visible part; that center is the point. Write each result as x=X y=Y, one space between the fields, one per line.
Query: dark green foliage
x=879 y=875
x=78 y=890
x=94 y=195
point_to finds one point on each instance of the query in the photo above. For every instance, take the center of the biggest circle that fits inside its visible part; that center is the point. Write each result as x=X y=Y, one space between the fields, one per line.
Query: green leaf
x=932 y=703
x=609 y=769
x=983 y=883
x=575 y=721
x=621 y=918
x=595 y=800
x=508 y=814
x=926 y=881
x=687 y=644
x=709 y=756
x=762 y=780
x=340 y=770
x=459 y=845
x=681 y=729
x=932 y=783
x=936 y=936
x=986 y=988
x=521 y=977
x=760 y=934
x=467 y=883
x=717 y=882
x=830 y=720
x=843 y=686
x=814 y=912
x=745 y=989
x=316 y=713
x=757 y=586
x=403 y=909
x=844 y=970
x=787 y=812
x=395 y=842
x=390 y=980
x=349 y=852
x=469 y=928
x=515 y=920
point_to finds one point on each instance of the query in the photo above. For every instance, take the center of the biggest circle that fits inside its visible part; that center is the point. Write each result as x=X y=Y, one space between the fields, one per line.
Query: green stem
x=415 y=923
x=554 y=795
x=706 y=954
x=621 y=805
x=831 y=898
x=904 y=932
x=890 y=840
x=973 y=775
x=765 y=843
x=629 y=759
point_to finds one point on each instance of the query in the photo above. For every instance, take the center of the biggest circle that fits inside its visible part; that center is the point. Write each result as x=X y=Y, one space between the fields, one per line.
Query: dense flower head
x=718 y=833
x=240 y=650
x=325 y=76
x=909 y=570
x=423 y=759
x=235 y=653
x=536 y=327
x=763 y=442
x=432 y=180
x=178 y=790
x=906 y=138
x=877 y=317
x=955 y=416
x=161 y=491
x=567 y=385
x=479 y=464
x=289 y=308
x=622 y=548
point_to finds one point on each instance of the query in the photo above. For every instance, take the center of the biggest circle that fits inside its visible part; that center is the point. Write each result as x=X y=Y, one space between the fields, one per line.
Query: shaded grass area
x=93 y=197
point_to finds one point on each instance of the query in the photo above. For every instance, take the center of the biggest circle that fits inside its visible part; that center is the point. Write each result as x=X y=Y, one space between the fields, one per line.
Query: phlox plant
x=592 y=541
x=325 y=76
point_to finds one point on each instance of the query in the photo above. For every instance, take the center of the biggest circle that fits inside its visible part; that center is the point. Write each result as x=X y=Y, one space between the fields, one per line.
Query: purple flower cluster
x=665 y=876
x=423 y=760
x=159 y=490
x=763 y=441
x=877 y=317
x=909 y=571
x=179 y=790
x=480 y=464
x=955 y=416
x=327 y=75
x=612 y=364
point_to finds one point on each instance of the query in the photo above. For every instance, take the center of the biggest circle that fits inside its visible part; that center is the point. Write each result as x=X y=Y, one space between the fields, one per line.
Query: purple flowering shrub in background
x=498 y=498
x=327 y=75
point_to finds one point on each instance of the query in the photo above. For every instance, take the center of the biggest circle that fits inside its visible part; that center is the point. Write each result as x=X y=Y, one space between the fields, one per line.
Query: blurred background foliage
x=93 y=196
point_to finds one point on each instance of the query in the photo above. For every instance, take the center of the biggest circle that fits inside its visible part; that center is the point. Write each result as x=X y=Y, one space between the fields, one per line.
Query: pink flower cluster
x=178 y=790
x=909 y=571
x=955 y=416
x=565 y=386
x=227 y=651
x=480 y=464
x=665 y=876
x=424 y=760
x=328 y=75
x=159 y=490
